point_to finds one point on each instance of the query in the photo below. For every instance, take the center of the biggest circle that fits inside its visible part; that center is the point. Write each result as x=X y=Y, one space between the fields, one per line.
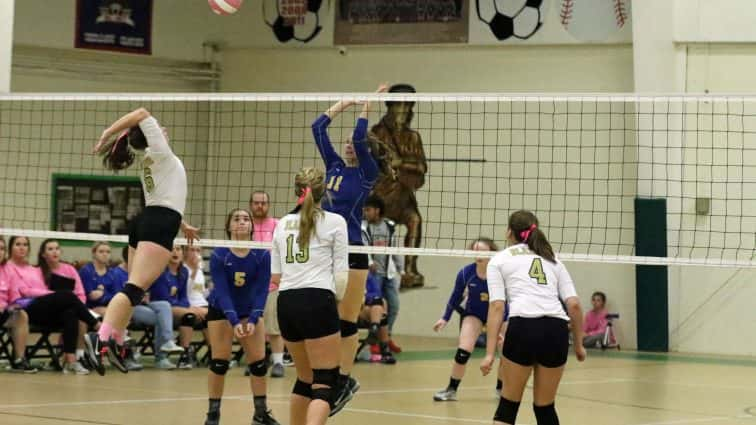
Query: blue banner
x=118 y=25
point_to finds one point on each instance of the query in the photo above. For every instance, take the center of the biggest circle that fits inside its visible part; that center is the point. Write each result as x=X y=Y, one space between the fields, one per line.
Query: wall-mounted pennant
x=118 y=25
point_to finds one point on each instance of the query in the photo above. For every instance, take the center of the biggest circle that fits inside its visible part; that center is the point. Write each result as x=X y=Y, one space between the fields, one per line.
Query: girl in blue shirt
x=240 y=289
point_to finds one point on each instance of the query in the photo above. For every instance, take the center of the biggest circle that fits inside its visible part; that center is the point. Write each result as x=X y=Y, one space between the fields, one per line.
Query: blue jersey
x=477 y=295
x=240 y=285
x=117 y=278
x=373 y=291
x=348 y=187
x=92 y=282
x=171 y=287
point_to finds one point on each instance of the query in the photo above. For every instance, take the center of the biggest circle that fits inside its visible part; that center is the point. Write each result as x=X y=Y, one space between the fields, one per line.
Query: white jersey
x=316 y=266
x=532 y=285
x=195 y=288
x=163 y=174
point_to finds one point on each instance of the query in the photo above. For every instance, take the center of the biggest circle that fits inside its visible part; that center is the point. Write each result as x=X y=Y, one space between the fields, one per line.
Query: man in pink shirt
x=259 y=204
x=595 y=322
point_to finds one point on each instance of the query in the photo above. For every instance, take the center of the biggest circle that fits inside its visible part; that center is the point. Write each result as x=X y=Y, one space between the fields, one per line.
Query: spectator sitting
x=15 y=319
x=379 y=231
x=150 y=313
x=196 y=290
x=45 y=307
x=374 y=312
x=95 y=277
x=595 y=322
x=171 y=286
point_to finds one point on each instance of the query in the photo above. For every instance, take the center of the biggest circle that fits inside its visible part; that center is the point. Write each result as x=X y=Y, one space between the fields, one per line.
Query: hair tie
x=303 y=195
x=525 y=234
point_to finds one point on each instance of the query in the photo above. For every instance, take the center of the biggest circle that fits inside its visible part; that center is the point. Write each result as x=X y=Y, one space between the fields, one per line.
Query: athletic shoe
x=165 y=364
x=93 y=351
x=363 y=355
x=22 y=366
x=264 y=419
x=277 y=371
x=344 y=394
x=288 y=361
x=116 y=354
x=185 y=362
x=75 y=368
x=445 y=395
x=212 y=418
x=133 y=365
x=393 y=347
x=388 y=358
x=171 y=347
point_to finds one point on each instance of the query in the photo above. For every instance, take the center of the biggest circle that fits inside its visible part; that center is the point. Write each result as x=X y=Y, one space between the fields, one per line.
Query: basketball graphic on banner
x=293 y=19
x=594 y=20
x=225 y=7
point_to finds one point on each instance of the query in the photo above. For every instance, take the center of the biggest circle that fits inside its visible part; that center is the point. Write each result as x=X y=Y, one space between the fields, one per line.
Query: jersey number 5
x=301 y=257
x=239 y=278
x=536 y=271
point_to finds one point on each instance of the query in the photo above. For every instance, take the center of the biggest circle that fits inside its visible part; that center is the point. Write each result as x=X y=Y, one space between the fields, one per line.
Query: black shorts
x=307 y=313
x=541 y=340
x=155 y=224
x=358 y=261
x=214 y=314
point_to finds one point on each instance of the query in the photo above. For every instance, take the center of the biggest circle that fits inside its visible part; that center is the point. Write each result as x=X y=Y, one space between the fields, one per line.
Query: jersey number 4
x=301 y=257
x=536 y=271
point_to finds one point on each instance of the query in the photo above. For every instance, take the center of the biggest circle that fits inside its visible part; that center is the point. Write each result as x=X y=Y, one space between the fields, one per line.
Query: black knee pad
x=302 y=388
x=188 y=319
x=462 y=356
x=218 y=366
x=546 y=415
x=258 y=368
x=507 y=411
x=348 y=328
x=134 y=293
x=384 y=320
x=327 y=377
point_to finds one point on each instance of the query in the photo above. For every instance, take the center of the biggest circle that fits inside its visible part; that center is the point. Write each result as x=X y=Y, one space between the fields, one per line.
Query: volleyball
x=225 y=7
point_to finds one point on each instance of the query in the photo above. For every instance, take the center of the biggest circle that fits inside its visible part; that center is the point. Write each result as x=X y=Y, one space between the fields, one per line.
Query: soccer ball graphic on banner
x=511 y=18
x=293 y=19
x=225 y=7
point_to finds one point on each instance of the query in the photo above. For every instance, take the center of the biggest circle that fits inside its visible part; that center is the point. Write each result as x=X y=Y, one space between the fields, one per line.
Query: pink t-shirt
x=264 y=233
x=67 y=270
x=595 y=322
x=264 y=230
x=4 y=289
x=25 y=281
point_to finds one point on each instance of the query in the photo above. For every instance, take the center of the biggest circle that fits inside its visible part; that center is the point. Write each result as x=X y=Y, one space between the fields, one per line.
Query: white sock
x=79 y=353
x=277 y=358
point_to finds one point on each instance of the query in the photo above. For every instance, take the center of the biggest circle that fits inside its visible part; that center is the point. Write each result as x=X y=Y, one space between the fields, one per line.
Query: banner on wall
x=405 y=22
x=297 y=20
x=117 y=25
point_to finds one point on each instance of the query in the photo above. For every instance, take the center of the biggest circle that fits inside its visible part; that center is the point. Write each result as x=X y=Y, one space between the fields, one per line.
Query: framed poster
x=401 y=22
x=117 y=25
x=95 y=204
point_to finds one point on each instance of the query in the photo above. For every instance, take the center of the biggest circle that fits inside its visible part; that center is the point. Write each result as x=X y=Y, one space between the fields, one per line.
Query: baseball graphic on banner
x=594 y=20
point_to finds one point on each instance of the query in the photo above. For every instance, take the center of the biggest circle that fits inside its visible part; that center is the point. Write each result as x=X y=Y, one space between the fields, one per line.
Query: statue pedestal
x=412 y=280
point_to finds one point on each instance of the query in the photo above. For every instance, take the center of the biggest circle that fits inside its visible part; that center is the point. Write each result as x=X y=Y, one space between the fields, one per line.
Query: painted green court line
x=626 y=355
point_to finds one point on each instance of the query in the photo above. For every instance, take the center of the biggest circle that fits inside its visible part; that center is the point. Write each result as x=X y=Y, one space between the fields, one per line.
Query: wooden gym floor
x=624 y=388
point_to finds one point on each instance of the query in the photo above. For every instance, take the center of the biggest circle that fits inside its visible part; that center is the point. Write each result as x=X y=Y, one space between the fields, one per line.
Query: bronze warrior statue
x=398 y=149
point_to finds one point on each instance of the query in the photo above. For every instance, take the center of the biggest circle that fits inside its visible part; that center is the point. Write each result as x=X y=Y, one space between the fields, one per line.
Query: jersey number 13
x=301 y=257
